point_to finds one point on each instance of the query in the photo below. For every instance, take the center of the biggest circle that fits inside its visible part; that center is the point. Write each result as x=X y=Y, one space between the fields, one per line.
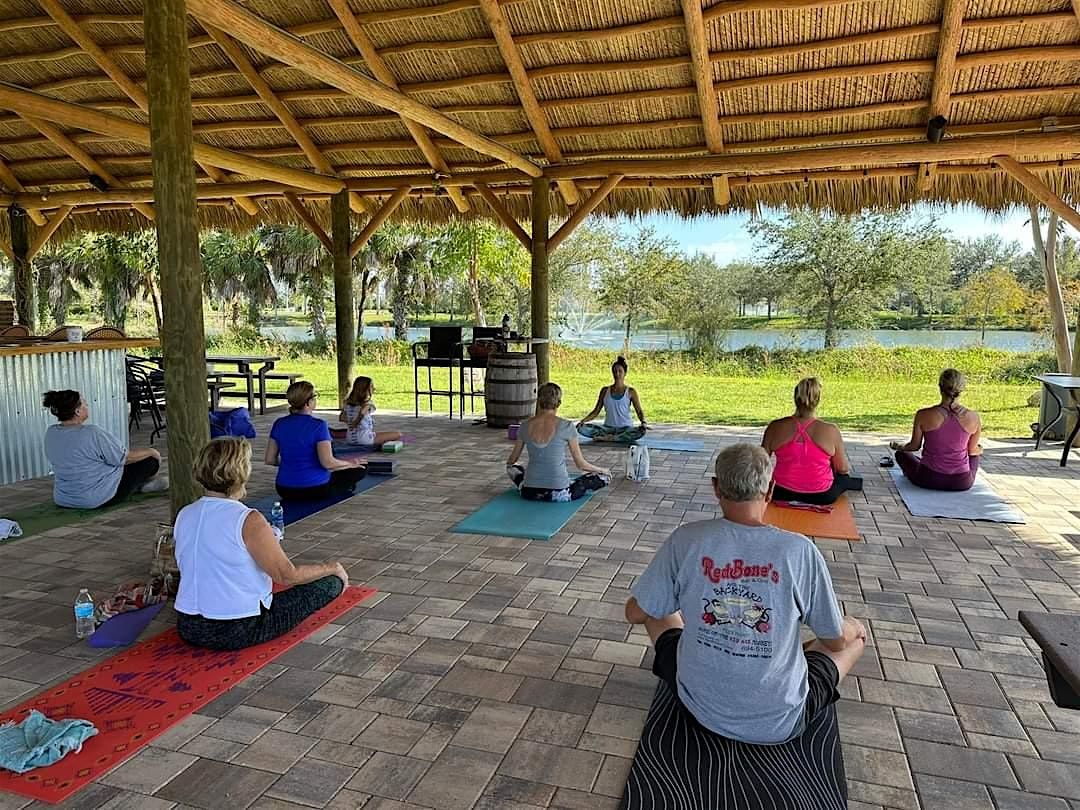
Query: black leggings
x=841 y=483
x=341 y=481
x=287 y=610
x=135 y=475
x=578 y=489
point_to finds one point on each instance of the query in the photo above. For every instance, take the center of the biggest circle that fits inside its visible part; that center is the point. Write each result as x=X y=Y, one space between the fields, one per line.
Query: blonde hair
x=299 y=394
x=549 y=397
x=951 y=384
x=743 y=472
x=807 y=395
x=224 y=465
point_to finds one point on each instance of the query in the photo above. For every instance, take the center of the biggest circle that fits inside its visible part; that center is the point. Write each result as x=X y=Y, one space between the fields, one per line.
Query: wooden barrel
x=509 y=388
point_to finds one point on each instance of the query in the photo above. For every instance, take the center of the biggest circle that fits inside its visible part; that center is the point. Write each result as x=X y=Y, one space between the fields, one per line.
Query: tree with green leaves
x=296 y=257
x=973 y=256
x=699 y=300
x=121 y=267
x=991 y=292
x=237 y=271
x=840 y=267
x=631 y=286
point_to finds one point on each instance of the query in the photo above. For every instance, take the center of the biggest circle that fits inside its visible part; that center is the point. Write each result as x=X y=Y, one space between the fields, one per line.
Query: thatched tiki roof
x=639 y=105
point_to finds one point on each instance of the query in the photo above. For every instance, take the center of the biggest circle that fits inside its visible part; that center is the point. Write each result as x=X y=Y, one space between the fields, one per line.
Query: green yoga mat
x=510 y=515
x=44 y=516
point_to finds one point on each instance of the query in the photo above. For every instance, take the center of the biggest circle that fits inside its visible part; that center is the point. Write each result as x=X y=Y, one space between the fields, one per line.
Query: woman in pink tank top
x=811 y=466
x=948 y=435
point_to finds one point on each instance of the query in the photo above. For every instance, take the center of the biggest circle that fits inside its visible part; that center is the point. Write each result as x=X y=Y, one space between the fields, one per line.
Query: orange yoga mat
x=140 y=694
x=839 y=524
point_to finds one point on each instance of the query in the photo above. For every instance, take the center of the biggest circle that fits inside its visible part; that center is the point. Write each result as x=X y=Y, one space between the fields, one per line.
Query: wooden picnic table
x=245 y=370
x=1071 y=385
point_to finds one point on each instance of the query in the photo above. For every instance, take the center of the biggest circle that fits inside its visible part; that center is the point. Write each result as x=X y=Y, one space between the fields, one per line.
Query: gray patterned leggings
x=287 y=610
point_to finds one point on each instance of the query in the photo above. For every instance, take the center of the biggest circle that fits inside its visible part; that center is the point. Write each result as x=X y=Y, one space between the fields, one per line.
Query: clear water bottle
x=84 y=614
x=277 y=521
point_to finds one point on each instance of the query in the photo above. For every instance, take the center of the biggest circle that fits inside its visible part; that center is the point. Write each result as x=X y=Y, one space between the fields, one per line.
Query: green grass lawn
x=877 y=406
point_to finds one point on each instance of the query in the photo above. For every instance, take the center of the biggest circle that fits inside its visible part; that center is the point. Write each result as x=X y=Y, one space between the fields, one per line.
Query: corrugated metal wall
x=99 y=374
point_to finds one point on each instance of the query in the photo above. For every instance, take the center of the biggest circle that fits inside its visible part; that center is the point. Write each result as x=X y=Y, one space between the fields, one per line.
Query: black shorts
x=822 y=676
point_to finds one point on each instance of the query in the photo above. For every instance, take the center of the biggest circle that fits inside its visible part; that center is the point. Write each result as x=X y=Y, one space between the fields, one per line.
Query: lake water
x=739 y=338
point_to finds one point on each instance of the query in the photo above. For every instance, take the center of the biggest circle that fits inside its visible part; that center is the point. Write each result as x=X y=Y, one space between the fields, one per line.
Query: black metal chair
x=485 y=340
x=146 y=393
x=442 y=349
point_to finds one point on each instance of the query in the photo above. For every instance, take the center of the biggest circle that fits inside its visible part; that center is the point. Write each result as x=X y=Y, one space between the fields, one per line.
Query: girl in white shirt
x=229 y=560
x=358 y=416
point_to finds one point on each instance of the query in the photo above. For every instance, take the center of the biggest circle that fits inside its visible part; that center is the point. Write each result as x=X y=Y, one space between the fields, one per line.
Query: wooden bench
x=215 y=387
x=1058 y=634
x=260 y=382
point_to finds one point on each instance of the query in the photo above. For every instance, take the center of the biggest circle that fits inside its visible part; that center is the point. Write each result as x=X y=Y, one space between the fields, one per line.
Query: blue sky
x=726 y=238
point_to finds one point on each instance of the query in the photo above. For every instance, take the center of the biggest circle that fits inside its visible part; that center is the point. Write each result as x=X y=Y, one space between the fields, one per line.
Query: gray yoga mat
x=978 y=503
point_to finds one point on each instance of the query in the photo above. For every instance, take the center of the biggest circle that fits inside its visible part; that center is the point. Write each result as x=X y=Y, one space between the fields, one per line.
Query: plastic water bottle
x=84 y=614
x=277 y=521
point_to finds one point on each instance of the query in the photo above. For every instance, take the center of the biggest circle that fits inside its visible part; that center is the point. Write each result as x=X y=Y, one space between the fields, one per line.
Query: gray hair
x=743 y=472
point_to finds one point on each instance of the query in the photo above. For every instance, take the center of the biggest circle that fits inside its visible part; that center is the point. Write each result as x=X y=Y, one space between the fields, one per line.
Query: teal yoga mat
x=510 y=515
x=653 y=443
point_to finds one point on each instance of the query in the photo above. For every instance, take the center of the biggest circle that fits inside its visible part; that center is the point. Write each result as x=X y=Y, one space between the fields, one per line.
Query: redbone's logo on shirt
x=737 y=569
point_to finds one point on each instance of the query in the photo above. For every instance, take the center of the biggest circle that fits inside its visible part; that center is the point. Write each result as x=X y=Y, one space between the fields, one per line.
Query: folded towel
x=9 y=529
x=38 y=741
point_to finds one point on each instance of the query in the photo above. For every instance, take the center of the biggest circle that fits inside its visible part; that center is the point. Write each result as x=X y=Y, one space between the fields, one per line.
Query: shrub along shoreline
x=868 y=388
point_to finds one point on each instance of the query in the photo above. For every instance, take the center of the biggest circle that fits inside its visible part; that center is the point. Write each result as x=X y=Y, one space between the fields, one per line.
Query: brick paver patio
x=498 y=673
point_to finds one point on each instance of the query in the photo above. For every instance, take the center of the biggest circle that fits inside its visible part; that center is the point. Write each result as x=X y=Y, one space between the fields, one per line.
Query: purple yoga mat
x=124 y=628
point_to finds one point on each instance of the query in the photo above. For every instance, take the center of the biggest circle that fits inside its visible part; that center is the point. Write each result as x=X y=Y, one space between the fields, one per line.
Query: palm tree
x=237 y=270
x=298 y=258
x=60 y=275
x=112 y=264
x=411 y=260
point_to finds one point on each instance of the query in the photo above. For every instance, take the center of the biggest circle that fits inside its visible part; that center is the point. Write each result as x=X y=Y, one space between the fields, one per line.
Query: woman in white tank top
x=615 y=401
x=229 y=560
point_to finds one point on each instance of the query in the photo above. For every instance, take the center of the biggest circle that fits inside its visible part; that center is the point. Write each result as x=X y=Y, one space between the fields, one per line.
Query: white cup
x=74 y=334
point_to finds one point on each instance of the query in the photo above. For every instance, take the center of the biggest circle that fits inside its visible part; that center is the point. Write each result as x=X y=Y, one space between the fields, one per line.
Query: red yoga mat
x=141 y=693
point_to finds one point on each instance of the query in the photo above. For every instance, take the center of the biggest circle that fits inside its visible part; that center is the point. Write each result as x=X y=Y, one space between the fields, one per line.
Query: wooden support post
x=344 y=313
x=504 y=216
x=1039 y=190
x=541 y=217
x=23 y=271
x=183 y=341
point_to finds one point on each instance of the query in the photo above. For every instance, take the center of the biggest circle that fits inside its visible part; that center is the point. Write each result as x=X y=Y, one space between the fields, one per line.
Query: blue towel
x=38 y=741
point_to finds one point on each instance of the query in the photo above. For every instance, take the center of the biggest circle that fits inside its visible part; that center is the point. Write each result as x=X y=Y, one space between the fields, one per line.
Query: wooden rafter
x=1039 y=190
x=263 y=90
x=530 y=105
x=8 y=178
x=377 y=219
x=504 y=216
x=362 y=42
x=708 y=106
x=951 y=31
x=587 y=207
x=132 y=90
x=306 y=217
x=83 y=158
x=44 y=234
x=260 y=35
x=28 y=103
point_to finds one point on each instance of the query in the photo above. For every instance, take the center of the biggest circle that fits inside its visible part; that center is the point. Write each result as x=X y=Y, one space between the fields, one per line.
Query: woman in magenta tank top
x=948 y=435
x=811 y=466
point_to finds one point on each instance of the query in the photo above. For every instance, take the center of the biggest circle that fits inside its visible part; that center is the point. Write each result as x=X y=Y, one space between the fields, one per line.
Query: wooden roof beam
x=503 y=215
x=377 y=219
x=83 y=158
x=45 y=233
x=1039 y=190
x=582 y=211
x=362 y=42
x=29 y=103
x=132 y=90
x=708 y=105
x=257 y=33
x=263 y=90
x=308 y=219
x=951 y=31
x=8 y=178
x=534 y=113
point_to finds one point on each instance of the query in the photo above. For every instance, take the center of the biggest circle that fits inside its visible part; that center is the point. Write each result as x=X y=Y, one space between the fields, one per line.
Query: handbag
x=163 y=563
x=236 y=422
x=637 y=463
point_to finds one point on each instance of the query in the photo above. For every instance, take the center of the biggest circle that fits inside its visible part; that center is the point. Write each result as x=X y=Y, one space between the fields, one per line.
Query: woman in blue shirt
x=299 y=446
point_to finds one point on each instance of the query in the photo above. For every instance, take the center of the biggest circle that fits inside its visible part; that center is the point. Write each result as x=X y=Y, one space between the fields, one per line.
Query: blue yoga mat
x=343 y=448
x=510 y=515
x=298 y=510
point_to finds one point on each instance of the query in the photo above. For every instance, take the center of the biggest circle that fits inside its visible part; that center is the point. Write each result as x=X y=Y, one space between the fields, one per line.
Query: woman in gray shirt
x=547 y=438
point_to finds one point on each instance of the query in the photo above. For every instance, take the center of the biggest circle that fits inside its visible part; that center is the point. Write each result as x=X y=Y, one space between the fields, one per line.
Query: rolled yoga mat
x=510 y=515
x=837 y=524
x=680 y=765
x=978 y=503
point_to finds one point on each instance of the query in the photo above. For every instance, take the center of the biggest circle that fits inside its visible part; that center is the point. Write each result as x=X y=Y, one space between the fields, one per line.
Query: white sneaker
x=158 y=483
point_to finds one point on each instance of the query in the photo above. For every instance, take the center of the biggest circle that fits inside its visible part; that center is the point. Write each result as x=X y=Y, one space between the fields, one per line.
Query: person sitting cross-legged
x=229 y=559
x=547 y=438
x=615 y=401
x=723 y=602
x=811 y=465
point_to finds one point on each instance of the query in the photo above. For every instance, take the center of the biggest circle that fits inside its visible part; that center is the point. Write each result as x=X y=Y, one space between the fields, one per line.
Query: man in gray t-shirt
x=723 y=602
